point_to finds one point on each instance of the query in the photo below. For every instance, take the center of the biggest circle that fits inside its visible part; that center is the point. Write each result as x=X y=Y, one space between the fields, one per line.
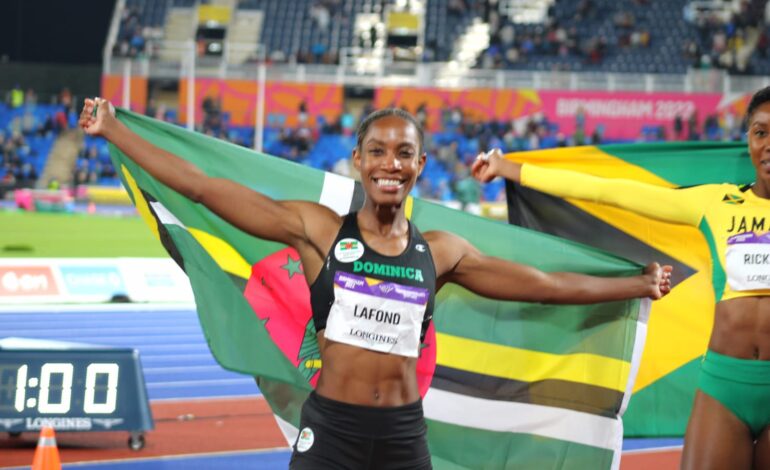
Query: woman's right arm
x=243 y=207
x=656 y=202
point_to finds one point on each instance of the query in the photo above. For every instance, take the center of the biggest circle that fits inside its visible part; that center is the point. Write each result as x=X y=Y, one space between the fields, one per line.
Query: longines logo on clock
x=71 y=387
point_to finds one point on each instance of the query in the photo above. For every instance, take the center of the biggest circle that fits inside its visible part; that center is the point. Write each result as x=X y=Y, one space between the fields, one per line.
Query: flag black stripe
x=556 y=393
x=165 y=237
x=548 y=214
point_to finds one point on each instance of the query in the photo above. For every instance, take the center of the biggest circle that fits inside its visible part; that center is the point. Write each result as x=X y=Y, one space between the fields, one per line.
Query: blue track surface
x=177 y=364
x=274 y=460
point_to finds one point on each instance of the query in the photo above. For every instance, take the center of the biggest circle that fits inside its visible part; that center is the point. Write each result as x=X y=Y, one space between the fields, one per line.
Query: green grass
x=45 y=235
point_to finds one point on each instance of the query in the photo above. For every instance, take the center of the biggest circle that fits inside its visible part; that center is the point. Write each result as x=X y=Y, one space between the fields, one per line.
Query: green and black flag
x=505 y=384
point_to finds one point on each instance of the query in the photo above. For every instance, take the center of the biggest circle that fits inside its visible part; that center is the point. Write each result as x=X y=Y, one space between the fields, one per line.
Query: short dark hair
x=760 y=97
x=363 y=128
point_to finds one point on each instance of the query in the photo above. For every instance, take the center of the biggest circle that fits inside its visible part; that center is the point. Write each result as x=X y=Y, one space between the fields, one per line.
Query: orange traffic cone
x=46 y=454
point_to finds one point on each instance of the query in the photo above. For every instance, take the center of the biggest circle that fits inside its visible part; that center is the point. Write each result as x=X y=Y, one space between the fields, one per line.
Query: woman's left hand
x=660 y=279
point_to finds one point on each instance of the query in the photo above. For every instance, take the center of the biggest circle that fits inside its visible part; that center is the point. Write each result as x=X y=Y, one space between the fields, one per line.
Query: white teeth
x=384 y=182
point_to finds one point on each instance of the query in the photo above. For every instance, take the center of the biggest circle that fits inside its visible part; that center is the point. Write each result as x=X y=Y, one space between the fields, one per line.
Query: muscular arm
x=664 y=204
x=460 y=262
x=250 y=211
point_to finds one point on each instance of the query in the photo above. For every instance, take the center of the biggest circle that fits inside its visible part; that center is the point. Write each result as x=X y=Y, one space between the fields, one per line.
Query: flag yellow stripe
x=408 y=206
x=140 y=202
x=223 y=253
x=591 y=160
x=530 y=366
x=678 y=327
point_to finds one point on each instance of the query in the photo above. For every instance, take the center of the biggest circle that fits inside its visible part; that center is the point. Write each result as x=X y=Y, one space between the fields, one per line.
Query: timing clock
x=72 y=387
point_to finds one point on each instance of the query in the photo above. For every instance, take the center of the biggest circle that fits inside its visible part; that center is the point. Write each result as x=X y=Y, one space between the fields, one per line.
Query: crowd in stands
x=327 y=145
x=721 y=40
x=93 y=164
x=563 y=35
x=16 y=171
x=607 y=35
x=629 y=36
x=28 y=129
x=133 y=37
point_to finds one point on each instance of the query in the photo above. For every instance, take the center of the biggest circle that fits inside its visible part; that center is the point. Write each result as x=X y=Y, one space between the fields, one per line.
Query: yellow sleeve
x=679 y=206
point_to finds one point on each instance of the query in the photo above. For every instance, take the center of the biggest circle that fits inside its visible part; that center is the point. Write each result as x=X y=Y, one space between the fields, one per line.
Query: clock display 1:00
x=66 y=370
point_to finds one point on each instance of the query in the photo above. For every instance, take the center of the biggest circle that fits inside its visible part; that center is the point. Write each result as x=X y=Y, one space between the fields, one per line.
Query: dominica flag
x=680 y=324
x=505 y=384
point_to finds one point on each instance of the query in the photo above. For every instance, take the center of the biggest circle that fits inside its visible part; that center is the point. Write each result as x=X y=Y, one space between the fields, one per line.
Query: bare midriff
x=742 y=328
x=361 y=377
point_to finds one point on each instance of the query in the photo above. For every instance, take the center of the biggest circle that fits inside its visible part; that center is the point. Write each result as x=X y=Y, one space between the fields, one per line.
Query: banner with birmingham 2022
x=624 y=115
x=621 y=115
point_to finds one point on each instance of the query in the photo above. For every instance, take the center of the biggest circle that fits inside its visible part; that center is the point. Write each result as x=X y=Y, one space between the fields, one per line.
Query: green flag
x=505 y=384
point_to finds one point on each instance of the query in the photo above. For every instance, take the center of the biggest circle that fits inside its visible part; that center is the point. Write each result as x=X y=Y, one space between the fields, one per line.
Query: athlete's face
x=759 y=143
x=389 y=160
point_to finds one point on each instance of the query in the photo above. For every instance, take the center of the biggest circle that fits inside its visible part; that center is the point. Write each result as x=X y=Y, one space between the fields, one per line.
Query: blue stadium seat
x=667 y=32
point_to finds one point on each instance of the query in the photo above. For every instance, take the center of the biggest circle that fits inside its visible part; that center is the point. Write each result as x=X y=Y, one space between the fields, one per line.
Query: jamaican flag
x=680 y=323
x=505 y=384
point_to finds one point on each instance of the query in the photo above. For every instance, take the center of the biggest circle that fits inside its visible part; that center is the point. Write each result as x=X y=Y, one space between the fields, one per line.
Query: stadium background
x=294 y=82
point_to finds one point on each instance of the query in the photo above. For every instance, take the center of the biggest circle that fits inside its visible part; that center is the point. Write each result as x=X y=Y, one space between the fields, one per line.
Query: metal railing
x=439 y=74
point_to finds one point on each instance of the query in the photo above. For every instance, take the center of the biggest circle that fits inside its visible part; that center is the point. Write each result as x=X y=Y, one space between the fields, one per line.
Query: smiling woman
x=382 y=176
x=373 y=278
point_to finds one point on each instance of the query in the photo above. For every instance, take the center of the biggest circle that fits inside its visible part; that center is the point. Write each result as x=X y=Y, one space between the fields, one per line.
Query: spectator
x=692 y=127
x=320 y=15
x=678 y=127
x=17 y=97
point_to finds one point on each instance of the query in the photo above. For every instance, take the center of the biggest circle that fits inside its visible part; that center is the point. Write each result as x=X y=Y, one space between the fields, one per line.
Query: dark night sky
x=54 y=31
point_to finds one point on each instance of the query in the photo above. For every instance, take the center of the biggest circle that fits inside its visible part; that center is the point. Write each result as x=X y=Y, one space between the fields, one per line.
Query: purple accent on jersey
x=749 y=237
x=385 y=290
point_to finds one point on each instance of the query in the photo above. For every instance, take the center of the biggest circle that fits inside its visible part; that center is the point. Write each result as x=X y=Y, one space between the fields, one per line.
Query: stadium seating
x=443 y=28
x=615 y=23
x=297 y=32
x=29 y=131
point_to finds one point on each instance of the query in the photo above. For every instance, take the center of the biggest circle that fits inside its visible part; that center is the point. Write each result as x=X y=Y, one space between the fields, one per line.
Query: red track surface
x=207 y=426
x=649 y=460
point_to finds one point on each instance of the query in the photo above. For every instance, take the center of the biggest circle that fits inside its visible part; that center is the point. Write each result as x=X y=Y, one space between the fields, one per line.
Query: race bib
x=748 y=261
x=376 y=315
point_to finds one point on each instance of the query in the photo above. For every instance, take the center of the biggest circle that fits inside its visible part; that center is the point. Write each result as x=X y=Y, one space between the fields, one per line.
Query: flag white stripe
x=165 y=216
x=503 y=416
x=337 y=193
x=636 y=355
x=288 y=429
x=636 y=358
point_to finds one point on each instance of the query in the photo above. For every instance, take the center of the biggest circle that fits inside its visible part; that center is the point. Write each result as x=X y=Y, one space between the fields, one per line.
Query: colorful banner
x=681 y=323
x=238 y=98
x=24 y=281
x=112 y=90
x=477 y=104
x=83 y=280
x=92 y=280
x=621 y=115
x=624 y=114
x=506 y=384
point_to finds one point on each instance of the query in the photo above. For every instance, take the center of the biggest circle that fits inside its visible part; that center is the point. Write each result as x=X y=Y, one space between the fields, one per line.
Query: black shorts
x=336 y=435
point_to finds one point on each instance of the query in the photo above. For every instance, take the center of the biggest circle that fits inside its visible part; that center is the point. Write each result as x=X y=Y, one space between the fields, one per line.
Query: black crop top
x=349 y=254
